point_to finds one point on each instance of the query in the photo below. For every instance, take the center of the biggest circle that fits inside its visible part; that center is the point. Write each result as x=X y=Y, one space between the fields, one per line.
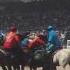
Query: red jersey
x=36 y=41
x=10 y=40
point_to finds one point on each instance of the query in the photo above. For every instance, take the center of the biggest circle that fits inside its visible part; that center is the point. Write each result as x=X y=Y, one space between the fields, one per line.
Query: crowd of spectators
x=36 y=15
x=36 y=20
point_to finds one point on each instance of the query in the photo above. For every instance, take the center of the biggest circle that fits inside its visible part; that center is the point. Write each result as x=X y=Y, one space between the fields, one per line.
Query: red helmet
x=13 y=28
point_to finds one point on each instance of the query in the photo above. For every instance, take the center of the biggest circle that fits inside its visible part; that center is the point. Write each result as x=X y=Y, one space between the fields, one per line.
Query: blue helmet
x=50 y=27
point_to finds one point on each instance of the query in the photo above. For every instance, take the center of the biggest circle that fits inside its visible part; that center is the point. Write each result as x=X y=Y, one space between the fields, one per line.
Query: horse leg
x=67 y=67
x=53 y=65
x=31 y=68
x=3 y=67
x=46 y=66
x=9 y=67
x=18 y=67
x=14 y=67
x=22 y=67
x=34 y=68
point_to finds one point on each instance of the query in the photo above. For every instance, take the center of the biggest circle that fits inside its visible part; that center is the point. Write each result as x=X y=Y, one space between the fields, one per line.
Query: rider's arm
x=40 y=41
x=17 y=38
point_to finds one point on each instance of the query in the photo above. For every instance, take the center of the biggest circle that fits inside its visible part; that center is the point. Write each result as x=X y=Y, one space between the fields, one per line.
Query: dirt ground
x=40 y=68
x=58 y=68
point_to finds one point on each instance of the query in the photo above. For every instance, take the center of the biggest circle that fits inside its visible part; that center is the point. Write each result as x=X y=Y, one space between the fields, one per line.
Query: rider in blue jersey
x=24 y=42
x=53 y=40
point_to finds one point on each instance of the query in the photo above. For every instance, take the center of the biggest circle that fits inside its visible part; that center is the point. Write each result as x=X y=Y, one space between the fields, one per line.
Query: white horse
x=62 y=57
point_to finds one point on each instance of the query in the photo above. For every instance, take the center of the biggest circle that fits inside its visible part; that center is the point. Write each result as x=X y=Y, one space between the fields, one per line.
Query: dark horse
x=11 y=58
x=36 y=57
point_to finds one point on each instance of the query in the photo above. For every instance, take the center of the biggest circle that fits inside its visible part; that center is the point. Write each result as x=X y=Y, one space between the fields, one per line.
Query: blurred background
x=35 y=14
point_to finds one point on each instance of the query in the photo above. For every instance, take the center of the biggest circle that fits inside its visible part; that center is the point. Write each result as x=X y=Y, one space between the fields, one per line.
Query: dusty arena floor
x=40 y=68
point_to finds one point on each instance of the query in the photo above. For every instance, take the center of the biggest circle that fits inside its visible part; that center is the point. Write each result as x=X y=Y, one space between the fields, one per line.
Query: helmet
x=13 y=28
x=50 y=27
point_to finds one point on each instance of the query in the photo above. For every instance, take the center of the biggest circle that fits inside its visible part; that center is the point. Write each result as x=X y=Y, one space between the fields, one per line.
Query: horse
x=62 y=58
x=39 y=58
x=35 y=56
x=10 y=58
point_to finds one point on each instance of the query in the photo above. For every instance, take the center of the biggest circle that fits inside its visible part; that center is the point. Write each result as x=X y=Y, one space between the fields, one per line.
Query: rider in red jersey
x=11 y=39
x=36 y=41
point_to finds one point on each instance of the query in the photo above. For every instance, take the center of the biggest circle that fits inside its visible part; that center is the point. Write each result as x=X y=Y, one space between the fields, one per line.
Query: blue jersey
x=24 y=42
x=53 y=40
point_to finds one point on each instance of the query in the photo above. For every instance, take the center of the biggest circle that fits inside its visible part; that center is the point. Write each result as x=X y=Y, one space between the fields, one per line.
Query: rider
x=36 y=41
x=53 y=45
x=11 y=39
x=53 y=40
x=11 y=46
x=24 y=41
